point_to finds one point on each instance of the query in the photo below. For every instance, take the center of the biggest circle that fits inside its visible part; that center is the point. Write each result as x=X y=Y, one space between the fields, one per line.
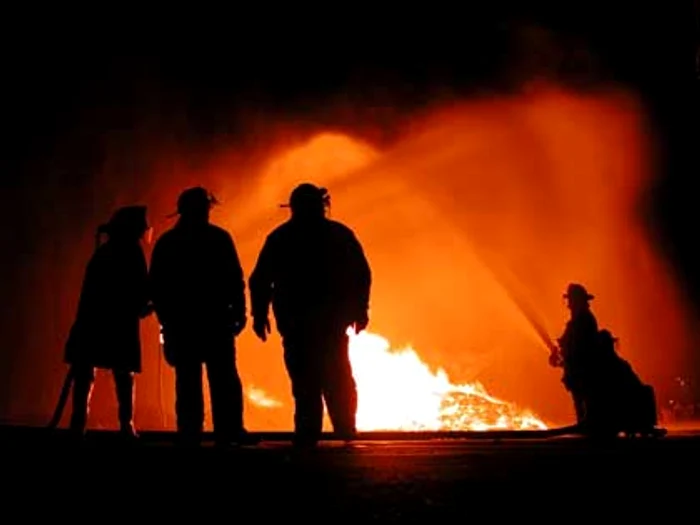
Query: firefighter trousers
x=319 y=369
x=225 y=394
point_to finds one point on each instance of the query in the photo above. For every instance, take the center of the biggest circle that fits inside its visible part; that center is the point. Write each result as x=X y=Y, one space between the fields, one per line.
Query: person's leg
x=226 y=393
x=83 y=381
x=124 y=384
x=339 y=387
x=189 y=402
x=304 y=375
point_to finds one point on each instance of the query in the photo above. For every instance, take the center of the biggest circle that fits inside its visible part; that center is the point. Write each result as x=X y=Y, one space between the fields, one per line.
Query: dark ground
x=370 y=480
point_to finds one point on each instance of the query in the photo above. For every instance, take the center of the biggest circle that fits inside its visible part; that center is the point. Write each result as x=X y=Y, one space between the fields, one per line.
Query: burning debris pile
x=477 y=410
x=397 y=391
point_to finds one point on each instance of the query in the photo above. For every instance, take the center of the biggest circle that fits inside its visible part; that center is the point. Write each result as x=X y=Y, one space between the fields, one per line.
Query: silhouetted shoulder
x=108 y=255
x=219 y=233
x=211 y=233
x=101 y=253
x=341 y=230
x=589 y=318
x=167 y=237
x=280 y=232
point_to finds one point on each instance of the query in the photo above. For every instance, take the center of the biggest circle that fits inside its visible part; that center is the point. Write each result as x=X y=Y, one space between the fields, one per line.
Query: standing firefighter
x=198 y=293
x=314 y=272
x=578 y=347
x=106 y=331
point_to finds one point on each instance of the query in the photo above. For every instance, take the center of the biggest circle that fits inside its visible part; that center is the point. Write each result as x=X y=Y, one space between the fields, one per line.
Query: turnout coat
x=113 y=299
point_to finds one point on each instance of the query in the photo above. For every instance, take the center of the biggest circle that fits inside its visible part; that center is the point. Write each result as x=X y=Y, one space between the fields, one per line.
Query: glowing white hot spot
x=397 y=391
x=260 y=398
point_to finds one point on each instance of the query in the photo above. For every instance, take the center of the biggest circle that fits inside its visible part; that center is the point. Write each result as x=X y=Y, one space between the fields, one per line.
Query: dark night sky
x=65 y=83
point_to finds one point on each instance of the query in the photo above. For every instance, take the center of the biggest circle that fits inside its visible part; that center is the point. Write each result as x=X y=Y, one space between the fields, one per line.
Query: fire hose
x=62 y=399
x=68 y=384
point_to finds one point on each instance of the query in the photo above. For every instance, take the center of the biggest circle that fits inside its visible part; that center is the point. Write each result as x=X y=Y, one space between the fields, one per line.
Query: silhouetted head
x=308 y=202
x=129 y=224
x=577 y=297
x=194 y=204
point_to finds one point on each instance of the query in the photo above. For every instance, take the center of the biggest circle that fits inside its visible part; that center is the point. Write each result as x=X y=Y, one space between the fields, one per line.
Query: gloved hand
x=555 y=359
x=361 y=323
x=261 y=327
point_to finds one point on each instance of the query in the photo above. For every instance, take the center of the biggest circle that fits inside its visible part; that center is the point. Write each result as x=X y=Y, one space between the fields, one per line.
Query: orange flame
x=530 y=191
x=397 y=391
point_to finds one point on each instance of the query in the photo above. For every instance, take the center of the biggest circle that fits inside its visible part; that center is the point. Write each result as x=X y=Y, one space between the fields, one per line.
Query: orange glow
x=535 y=191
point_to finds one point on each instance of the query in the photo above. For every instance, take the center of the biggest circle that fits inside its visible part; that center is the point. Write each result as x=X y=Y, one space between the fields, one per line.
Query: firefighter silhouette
x=577 y=346
x=315 y=274
x=198 y=292
x=608 y=395
x=113 y=299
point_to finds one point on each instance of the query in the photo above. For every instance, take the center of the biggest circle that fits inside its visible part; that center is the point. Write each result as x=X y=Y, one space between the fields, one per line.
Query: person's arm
x=261 y=282
x=143 y=297
x=235 y=285
x=361 y=281
x=88 y=290
x=556 y=357
x=156 y=275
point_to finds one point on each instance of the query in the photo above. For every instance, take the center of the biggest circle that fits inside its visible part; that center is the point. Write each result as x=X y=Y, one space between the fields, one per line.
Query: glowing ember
x=397 y=391
x=261 y=399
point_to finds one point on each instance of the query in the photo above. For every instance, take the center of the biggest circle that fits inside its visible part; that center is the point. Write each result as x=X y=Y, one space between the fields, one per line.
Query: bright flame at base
x=397 y=391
